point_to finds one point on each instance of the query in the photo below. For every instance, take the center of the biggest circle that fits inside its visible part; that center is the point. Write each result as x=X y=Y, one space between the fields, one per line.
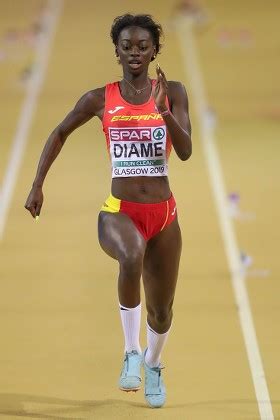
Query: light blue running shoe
x=155 y=392
x=130 y=379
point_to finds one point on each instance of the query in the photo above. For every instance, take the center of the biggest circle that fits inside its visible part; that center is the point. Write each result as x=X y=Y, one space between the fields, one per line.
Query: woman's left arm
x=177 y=121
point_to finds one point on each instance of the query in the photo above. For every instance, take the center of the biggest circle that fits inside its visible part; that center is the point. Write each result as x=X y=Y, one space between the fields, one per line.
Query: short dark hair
x=143 y=21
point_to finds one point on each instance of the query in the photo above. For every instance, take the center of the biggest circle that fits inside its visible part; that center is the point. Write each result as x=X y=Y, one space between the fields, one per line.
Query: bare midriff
x=141 y=189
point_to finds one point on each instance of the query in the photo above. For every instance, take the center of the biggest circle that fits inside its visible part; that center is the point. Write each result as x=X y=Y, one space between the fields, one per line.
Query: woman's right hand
x=34 y=201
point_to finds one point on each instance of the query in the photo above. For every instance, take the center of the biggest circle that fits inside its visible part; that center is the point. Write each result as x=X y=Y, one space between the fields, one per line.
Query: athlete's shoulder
x=177 y=92
x=92 y=101
x=94 y=94
x=176 y=86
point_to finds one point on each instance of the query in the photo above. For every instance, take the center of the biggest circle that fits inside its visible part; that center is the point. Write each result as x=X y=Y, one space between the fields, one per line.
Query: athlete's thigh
x=161 y=264
x=118 y=236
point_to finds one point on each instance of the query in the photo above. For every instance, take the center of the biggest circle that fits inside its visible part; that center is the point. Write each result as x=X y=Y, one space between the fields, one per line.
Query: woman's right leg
x=120 y=239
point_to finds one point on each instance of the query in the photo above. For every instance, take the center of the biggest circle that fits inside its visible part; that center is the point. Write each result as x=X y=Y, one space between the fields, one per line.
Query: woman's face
x=135 y=49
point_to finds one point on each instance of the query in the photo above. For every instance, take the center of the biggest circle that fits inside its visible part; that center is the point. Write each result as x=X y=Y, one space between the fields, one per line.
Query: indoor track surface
x=61 y=338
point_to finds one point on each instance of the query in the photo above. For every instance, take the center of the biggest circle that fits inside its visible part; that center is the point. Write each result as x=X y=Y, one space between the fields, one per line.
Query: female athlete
x=142 y=119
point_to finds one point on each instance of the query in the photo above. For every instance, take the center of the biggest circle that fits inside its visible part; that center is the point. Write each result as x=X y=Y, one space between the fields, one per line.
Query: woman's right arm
x=88 y=106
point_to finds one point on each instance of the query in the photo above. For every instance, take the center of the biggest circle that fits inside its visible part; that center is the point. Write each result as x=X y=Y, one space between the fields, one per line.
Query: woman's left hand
x=160 y=90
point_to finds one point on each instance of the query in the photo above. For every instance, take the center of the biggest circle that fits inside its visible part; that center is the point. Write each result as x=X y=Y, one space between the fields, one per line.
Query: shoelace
x=128 y=355
x=158 y=370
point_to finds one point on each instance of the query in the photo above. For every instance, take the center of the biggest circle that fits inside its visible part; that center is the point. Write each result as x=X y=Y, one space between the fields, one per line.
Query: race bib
x=138 y=151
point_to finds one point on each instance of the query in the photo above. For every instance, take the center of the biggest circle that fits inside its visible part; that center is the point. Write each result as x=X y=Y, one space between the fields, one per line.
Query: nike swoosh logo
x=117 y=108
x=172 y=214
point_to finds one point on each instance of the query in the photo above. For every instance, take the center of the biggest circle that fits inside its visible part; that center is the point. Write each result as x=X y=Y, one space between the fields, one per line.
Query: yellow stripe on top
x=111 y=205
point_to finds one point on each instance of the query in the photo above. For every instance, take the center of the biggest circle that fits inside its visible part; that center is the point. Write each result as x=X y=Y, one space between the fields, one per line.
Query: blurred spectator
x=20 y=43
x=232 y=38
x=192 y=9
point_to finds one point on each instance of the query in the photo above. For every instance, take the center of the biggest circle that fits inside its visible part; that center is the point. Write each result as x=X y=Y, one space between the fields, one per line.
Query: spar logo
x=130 y=134
x=158 y=133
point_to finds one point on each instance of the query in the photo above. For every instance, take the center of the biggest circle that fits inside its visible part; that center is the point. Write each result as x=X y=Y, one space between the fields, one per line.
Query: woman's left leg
x=160 y=272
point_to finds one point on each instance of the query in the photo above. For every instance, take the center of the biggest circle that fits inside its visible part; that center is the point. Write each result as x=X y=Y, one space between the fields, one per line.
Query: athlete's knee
x=160 y=318
x=131 y=262
x=163 y=316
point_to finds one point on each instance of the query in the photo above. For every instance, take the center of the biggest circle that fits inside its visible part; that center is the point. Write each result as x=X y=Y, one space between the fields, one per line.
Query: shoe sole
x=130 y=389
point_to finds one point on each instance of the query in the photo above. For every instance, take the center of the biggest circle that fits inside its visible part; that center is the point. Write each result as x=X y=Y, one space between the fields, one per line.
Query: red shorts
x=150 y=219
